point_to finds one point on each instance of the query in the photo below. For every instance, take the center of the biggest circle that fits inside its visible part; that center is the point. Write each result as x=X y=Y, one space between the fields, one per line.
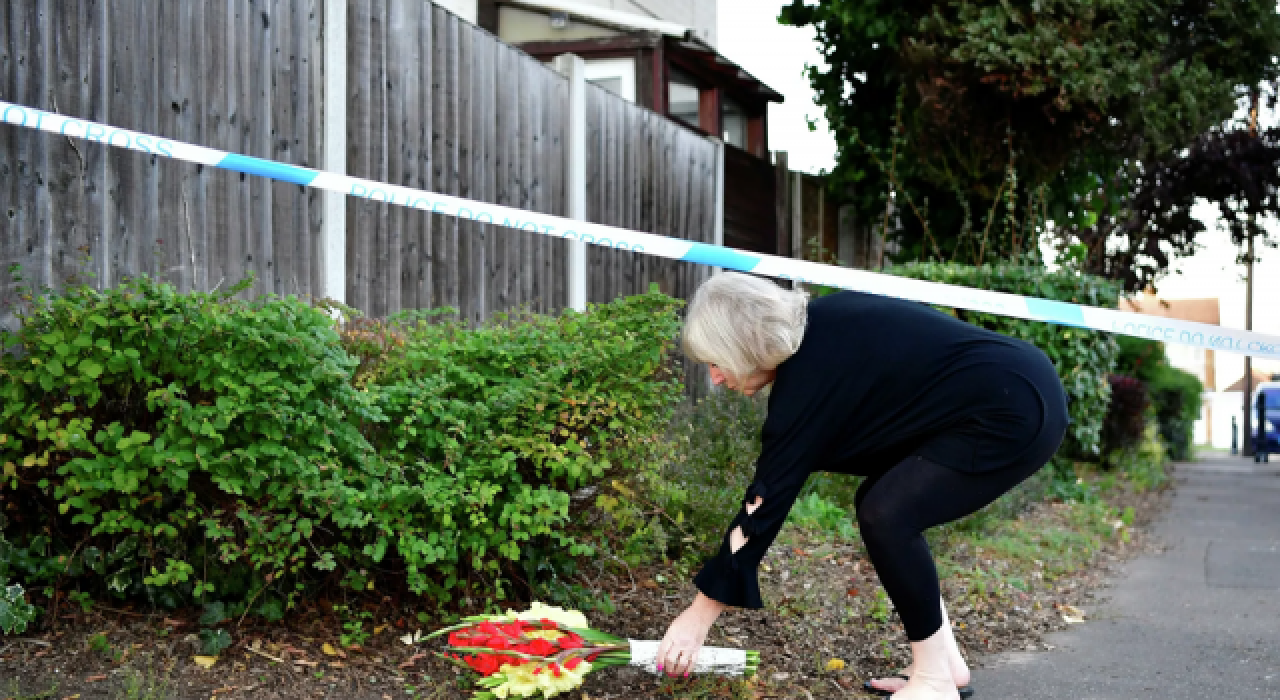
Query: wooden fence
x=646 y=173
x=233 y=76
x=750 y=202
x=432 y=102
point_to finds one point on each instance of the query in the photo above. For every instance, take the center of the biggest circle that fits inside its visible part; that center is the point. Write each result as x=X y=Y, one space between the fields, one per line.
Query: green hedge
x=195 y=447
x=1176 y=395
x=1083 y=358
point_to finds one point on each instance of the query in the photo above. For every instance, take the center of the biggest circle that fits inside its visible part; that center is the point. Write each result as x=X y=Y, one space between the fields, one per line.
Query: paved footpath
x=1201 y=620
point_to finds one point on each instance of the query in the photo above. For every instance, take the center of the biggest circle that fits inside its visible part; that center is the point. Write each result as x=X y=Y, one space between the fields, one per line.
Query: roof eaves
x=611 y=18
x=693 y=43
x=685 y=37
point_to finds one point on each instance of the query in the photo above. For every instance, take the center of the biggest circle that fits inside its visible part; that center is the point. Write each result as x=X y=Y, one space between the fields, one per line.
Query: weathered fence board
x=432 y=103
x=646 y=173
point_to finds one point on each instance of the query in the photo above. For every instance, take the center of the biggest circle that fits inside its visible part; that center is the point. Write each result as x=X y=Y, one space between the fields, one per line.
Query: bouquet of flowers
x=550 y=651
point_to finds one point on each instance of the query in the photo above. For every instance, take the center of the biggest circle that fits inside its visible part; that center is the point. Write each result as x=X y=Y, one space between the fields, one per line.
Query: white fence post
x=333 y=235
x=718 y=231
x=574 y=68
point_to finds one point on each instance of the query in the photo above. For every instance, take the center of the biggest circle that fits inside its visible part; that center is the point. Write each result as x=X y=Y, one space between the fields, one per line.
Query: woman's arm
x=736 y=538
x=679 y=648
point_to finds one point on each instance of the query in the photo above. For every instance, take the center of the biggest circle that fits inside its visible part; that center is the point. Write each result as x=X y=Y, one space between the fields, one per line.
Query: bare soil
x=823 y=605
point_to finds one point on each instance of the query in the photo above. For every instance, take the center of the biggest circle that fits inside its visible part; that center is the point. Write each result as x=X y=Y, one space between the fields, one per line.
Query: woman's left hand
x=679 y=648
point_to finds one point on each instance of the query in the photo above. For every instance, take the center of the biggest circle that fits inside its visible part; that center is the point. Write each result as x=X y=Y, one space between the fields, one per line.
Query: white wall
x=1222 y=406
x=1188 y=359
x=466 y=9
x=517 y=25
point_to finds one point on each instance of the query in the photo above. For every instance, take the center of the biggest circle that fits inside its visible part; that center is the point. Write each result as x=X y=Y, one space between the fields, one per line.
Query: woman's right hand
x=679 y=648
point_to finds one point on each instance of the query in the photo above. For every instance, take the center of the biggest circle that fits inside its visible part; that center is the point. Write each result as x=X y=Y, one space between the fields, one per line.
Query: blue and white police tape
x=1199 y=335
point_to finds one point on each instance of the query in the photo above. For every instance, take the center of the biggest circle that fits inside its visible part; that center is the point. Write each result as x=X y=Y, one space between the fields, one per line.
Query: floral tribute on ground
x=549 y=650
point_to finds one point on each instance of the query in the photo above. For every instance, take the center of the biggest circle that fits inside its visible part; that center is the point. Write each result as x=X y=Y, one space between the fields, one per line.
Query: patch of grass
x=1005 y=555
x=879 y=610
x=137 y=684
x=706 y=688
x=15 y=692
x=99 y=644
x=815 y=511
x=1144 y=465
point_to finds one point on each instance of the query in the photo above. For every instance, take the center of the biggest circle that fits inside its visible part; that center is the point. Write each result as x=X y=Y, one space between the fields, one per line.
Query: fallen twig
x=125 y=612
x=265 y=655
x=28 y=640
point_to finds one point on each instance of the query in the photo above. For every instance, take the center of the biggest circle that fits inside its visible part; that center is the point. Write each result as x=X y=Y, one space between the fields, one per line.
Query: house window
x=733 y=120
x=682 y=97
x=617 y=75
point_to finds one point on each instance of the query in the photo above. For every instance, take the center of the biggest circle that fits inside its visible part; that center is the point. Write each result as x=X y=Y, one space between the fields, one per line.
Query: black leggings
x=896 y=506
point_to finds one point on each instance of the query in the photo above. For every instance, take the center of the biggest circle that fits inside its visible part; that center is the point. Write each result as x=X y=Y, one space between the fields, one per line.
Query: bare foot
x=959 y=672
x=959 y=669
x=959 y=676
x=924 y=686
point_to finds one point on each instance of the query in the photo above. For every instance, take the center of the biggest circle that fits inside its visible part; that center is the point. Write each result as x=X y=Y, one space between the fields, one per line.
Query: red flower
x=555 y=670
x=487 y=664
x=541 y=647
x=571 y=641
x=498 y=642
x=573 y=663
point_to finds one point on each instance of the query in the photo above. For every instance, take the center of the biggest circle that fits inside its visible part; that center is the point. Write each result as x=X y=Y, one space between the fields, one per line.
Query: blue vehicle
x=1266 y=404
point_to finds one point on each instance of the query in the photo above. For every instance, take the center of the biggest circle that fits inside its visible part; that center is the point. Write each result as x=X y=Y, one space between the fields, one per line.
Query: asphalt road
x=1201 y=620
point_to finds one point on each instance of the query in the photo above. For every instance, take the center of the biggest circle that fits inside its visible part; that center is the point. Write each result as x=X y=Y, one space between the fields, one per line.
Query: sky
x=750 y=36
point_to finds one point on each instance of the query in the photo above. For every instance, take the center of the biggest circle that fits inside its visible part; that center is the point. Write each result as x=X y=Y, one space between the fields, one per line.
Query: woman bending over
x=940 y=416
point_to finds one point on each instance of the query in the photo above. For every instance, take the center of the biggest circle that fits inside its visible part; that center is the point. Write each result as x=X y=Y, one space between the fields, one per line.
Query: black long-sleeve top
x=876 y=380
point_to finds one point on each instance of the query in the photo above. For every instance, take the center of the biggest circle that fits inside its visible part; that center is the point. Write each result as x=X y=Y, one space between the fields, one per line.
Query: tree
x=981 y=120
x=1134 y=242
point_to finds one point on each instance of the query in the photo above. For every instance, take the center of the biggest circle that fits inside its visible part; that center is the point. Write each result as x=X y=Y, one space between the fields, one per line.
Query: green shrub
x=180 y=447
x=1126 y=420
x=1176 y=395
x=1083 y=358
x=714 y=445
x=1144 y=462
x=497 y=426
x=15 y=612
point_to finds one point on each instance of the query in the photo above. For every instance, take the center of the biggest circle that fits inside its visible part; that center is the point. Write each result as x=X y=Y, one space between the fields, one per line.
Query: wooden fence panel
x=647 y=173
x=750 y=195
x=432 y=103
x=233 y=75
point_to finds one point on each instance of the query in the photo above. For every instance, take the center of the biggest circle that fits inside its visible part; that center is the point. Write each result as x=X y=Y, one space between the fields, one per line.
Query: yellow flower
x=522 y=682
x=835 y=665
x=538 y=611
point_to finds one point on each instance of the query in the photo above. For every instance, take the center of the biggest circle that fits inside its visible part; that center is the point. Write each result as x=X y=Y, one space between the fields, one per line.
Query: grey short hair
x=742 y=323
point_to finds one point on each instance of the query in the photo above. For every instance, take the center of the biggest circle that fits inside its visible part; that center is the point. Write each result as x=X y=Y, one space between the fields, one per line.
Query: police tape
x=1200 y=335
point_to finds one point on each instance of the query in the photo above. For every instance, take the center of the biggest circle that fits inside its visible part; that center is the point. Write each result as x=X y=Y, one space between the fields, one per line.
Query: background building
x=1214 y=426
